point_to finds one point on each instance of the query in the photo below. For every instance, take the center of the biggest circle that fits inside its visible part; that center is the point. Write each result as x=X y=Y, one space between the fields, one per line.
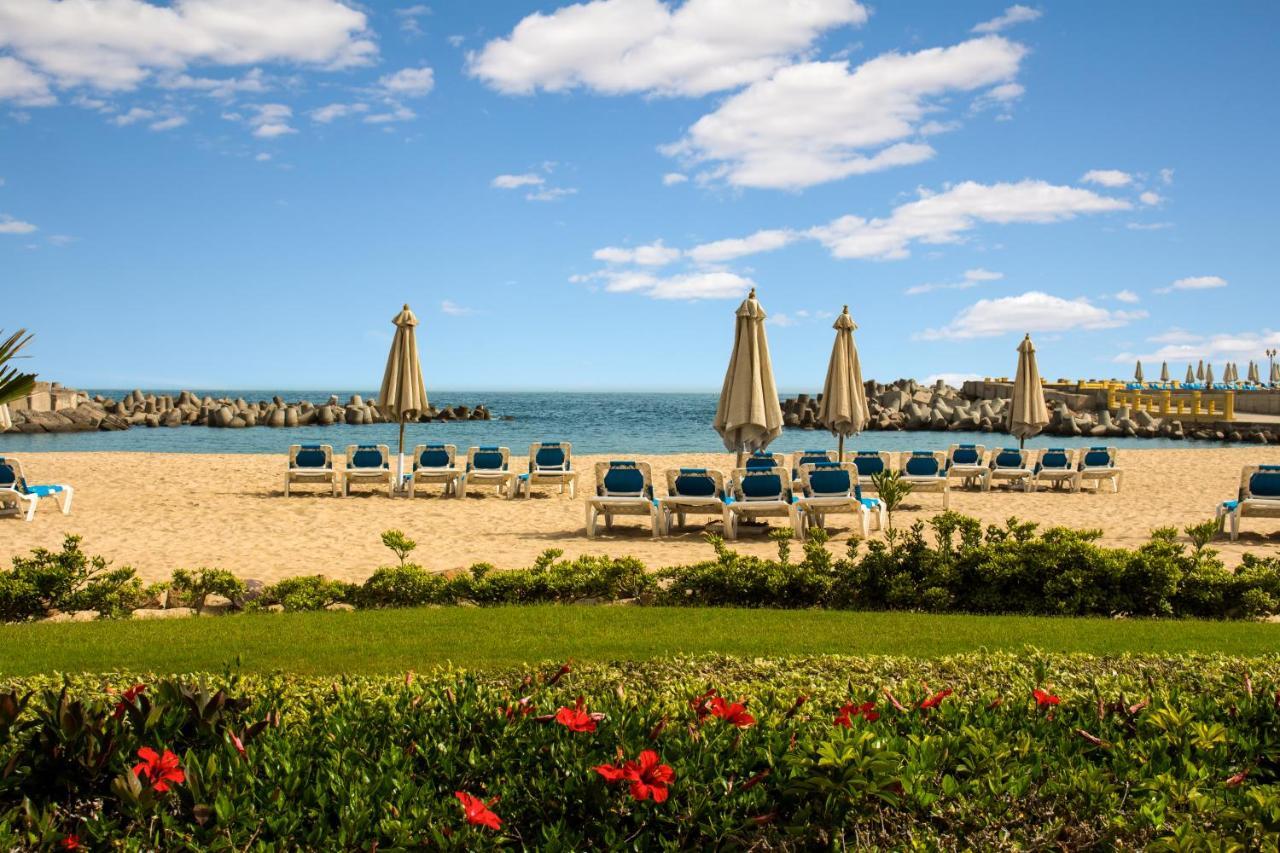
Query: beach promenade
x=158 y=512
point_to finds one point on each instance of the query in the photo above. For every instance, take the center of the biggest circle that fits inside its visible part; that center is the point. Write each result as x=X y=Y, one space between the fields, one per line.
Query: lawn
x=395 y=640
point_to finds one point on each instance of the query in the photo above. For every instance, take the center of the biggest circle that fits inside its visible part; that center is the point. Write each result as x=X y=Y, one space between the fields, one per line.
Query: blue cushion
x=811 y=457
x=757 y=461
x=921 y=465
x=1053 y=459
x=43 y=491
x=1097 y=457
x=868 y=464
x=487 y=459
x=7 y=476
x=310 y=457
x=624 y=481
x=693 y=470
x=367 y=457
x=310 y=446
x=1265 y=484
x=965 y=454
x=1008 y=459
x=433 y=457
x=768 y=485
x=829 y=481
x=549 y=456
x=695 y=485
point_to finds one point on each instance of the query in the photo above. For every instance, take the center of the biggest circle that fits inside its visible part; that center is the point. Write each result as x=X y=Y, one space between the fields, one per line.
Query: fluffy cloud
x=1127 y=296
x=19 y=83
x=1012 y=16
x=727 y=250
x=9 y=225
x=118 y=44
x=944 y=217
x=453 y=309
x=703 y=284
x=409 y=18
x=670 y=179
x=652 y=255
x=253 y=82
x=133 y=116
x=1185 y=346
x=1195 y=282
x=409 y=82
x=814 y=122
x=1107 y=178
x=1030 y=312
x=168 y=123
x=1150 y=198
x=511 y=182
x=331 y=112
x=539 y=189
x=620 y=46
x=972 y=278
x=271 y=120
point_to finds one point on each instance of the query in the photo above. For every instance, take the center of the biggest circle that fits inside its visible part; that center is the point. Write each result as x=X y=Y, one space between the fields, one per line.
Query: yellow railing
x=1182 y=405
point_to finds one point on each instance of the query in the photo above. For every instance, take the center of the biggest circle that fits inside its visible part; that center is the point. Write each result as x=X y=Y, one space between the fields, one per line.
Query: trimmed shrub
x=66 y=580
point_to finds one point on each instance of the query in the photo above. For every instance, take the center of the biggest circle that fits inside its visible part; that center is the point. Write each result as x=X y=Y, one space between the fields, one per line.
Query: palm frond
x=12 y=383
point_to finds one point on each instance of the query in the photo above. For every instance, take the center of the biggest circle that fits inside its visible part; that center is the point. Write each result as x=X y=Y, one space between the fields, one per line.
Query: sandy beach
x=158 y=512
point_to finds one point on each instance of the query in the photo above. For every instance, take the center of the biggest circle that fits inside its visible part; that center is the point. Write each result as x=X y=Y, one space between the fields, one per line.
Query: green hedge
x=1175 y=753
x=952 y=564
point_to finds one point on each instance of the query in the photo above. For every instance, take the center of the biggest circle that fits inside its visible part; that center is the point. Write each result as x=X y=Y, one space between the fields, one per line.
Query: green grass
x=396 y=640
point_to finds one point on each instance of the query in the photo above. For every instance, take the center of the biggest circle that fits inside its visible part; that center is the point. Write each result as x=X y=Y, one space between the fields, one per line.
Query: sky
x=241 y=194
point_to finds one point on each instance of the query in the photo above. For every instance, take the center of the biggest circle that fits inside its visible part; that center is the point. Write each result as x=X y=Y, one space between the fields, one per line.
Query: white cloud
x=1013 y=15
x=1148 y=226
x=621 y=46
x=815 y=122
x=1107 y=177
x=118 y=44
x=1237 y=346
x=652 y=255
x=1195 y=282
x=331 y=112
x=1150 y=198
x=19 y=83
x=409 y=82
x=972 y=278
x=253 y=82
x=396 y=112
x=168 y=123
x=1166 y=176
x=409 y=18
x=1127 y=296
x=727 y=250
x=549 y=193
x=943 y=217
x=1029 y=312
x=670 y=179
x=262 y=157
x=511 y=182
x=133 y=116
x=270 y=120
x=453 y=309
x=706 y=284
x=456 y=40
x=9 y=225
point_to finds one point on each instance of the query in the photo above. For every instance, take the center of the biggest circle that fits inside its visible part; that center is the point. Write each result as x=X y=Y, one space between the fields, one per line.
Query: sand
x=157 y=512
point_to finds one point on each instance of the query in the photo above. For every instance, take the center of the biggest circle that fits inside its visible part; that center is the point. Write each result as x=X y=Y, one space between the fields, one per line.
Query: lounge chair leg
x=654 y=524
x=286 y=485
x=730 y=525
x=591 y=522
x=67 y=493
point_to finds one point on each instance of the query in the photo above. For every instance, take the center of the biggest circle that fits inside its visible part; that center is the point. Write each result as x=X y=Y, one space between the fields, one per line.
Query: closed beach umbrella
x=1275 y=373
x=1137 y=371
x=1208 y=375
x=843 y=409
x=1191 y=375
x=1229 y=372
x=1200 y=370
x=403 y=395
x=1164 y=371
x=1254 y=376
x=749 y=415
x=1027 y=412
x=6 y=421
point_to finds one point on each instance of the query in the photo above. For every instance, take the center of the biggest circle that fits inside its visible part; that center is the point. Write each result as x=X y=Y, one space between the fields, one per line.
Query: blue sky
x=216 y=193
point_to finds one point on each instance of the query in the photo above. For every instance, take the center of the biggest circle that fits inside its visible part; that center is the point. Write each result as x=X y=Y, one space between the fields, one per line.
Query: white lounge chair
x=760 y=493
x=436 y=463
x=368 y=463
x=926 y=471
x=691 y=491
x=869 y=462
x=967 y=463
x=312 y=463
x=808 y=457
x=1056 y=467
x=1098 y=465
x=1010 y=465
x=622 y=488
x=549 y=462
x=15 y=490
x=1259 y=497
x=833 y=487
x=490 y=466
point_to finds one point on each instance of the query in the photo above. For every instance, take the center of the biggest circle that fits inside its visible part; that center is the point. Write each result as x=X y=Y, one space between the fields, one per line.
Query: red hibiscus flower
x=936 y=699
x=158 y=770
x=1044 y=699
x=1238 y=779
x=702 y=704
x=850 y=712
x=575 y=719
x=127 y=698
x=477 y=811
x=649 y=777
x=237 y=743
x=71 y=842
x=522 y=708
x=734 y=713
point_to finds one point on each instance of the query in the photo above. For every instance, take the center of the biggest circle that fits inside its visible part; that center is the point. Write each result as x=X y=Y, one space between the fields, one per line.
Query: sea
x=617 y=423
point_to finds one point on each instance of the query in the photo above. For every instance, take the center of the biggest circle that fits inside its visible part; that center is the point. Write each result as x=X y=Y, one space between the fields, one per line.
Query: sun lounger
x=760 y=493
x=691 y=491
x=312 y=463
x=1056 y=467
x=436 y=463
x=808 y=457
x=1259 y=497
x=14 y=489
x=833 y=487
x=490 y=466
x=1099 y=464
x=869 y=462
x=967 y=463
x=622 y=487
x=549 y=462
x=368 y=463
x=926 y=471
x=1010 y=465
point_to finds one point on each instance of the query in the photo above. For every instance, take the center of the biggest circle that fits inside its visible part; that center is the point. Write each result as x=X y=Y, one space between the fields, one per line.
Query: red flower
x=1238 y=779
x=1043 y=699
x=237 y=743
x=575 y=719
x=649 y=777
x=127 y=698
x=702 y=704
x=850 y=711
x=477 y=811
x=71 y=842
x=158 y=769
x=733 y=713
x=936 y=699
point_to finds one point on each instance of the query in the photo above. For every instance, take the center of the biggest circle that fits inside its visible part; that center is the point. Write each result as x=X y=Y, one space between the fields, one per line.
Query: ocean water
x=595 y=422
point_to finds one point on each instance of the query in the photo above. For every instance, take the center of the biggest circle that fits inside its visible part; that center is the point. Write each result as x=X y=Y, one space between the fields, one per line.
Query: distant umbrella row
x=1203 y=374
x=749 y=416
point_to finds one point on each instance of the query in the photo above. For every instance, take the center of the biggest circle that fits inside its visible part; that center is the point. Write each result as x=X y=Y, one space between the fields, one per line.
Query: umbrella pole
x=840 y=446
x=400 y=459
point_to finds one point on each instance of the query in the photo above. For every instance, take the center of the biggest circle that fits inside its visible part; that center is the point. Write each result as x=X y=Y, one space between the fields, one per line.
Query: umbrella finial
x=406 y=306
x=752 y=294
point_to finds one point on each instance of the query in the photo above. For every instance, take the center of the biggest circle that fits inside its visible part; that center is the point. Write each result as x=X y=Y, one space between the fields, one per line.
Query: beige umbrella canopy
x=1275 y=373
x=1200 y=370
x=1229 y=372
x=403 y=397
x=749 y=415
x=1254 y=376
x=1164 y=371
x=1191 y=375
x=1208 y=375
x=843 y=409
x=1137 y=371
x=6 y=422
x=1028 y=414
